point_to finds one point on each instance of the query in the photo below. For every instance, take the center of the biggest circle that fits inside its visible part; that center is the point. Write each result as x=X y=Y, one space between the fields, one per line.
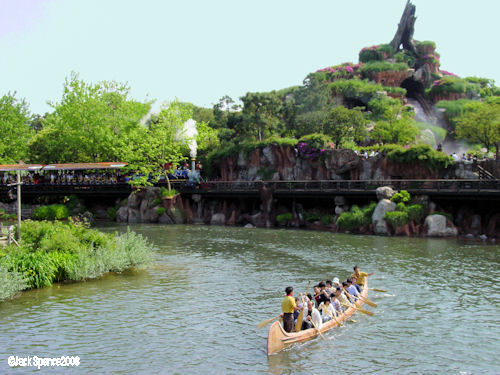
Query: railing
x=311 y=186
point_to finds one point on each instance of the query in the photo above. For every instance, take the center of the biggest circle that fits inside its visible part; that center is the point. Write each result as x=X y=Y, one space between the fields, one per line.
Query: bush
x=316 y=140
x=284 y=218
x=158 y=201
x=424 y=154
x=375 y=53
x=311 y=216
x=354 y=219
x=403 y=196
x=165 y=193
x=56 y=251
x=396 y=218
x=362 y=90
x=160 y=210
x=327 y=219
x=383 y=66
x=112 y=213
x=453 y=85
x=52 y=212
x=415 y=212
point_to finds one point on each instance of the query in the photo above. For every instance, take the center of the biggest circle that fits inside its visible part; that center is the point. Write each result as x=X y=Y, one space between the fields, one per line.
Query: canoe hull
x=278 y=339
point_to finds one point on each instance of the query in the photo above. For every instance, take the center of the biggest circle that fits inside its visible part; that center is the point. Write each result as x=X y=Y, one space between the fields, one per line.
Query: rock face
x=285 y=163
x=379 y=224
x=218 y=219
x=439 y=226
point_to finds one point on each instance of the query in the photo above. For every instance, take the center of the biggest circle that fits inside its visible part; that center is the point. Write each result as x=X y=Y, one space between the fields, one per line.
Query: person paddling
x=288 y=306
x=313 y=315
x=360 y=276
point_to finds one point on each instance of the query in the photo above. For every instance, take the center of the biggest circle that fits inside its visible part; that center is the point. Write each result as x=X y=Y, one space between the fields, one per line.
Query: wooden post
x=18 y=205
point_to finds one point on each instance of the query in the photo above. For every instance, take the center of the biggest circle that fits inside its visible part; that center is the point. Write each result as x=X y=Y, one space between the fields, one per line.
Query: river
x=195 y=310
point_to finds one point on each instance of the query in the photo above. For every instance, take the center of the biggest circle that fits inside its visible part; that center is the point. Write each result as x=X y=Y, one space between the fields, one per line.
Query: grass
x=55 y=251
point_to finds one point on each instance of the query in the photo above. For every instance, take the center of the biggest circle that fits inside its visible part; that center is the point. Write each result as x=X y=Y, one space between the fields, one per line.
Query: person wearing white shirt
x=311 y=314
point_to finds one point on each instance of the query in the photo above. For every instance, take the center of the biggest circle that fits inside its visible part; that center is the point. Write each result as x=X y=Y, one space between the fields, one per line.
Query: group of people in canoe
x=330 y=299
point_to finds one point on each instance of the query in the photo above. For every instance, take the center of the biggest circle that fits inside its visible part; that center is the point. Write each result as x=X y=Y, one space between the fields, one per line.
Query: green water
x=195 y=310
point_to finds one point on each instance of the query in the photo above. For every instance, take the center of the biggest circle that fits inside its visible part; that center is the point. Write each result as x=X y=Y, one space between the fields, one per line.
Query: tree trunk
x=406 y=28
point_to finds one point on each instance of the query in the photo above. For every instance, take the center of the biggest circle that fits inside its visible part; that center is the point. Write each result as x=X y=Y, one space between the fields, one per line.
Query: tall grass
x=55 y=251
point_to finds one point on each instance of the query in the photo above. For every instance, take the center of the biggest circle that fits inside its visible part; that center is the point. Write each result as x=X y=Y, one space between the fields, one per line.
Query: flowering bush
x=445 y=73
x=313 y=146
x=376 y=53
x=346 y=70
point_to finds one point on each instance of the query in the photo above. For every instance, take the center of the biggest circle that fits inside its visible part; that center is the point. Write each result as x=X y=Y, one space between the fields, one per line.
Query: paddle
x=266 y=322
x=333 y=316
x=317 y=329
x=378 y=290
x=364 y=299
x=360 y=309
x=300 y=318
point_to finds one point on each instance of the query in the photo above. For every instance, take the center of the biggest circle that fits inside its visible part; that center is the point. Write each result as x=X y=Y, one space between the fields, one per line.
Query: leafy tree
x=91 y=123
x=261 y=114
x=15 y=129
x=344 y=124
x=480 y=123
x=395 y=126
x=310 y=122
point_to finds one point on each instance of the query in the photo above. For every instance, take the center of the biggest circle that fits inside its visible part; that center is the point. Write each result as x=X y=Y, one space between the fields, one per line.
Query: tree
x=261 y=114
x=91 y=123
x=480 y=123
x=344 y=124
x=395 y=126
x=15 y=129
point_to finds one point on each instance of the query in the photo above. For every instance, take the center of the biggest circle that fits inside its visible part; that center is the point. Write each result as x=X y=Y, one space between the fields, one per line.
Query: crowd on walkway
x=330 y=300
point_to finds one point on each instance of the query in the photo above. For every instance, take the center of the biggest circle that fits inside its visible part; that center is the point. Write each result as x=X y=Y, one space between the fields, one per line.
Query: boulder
x=439 y=226
x=339 y=201
x=134 y=200
x=122 y=215
x=384 y=192
x=134 y=216
x=248 y=226
x=176 y=215
x=379 y=224
x=165 y=219
x=218 y=219
x=338 y=210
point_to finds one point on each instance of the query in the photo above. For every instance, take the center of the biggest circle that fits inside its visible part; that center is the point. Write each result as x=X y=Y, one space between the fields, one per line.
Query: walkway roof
x=58 y=167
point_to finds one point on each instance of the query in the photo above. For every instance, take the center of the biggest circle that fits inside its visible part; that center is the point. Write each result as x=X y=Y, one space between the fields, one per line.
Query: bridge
x=453 y=189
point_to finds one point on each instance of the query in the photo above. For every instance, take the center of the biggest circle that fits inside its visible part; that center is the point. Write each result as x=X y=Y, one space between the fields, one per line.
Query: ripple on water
x=196 y=309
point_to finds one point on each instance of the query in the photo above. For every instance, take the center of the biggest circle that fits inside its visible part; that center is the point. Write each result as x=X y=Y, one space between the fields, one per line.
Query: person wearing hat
x=360 y=276
x=336 y=283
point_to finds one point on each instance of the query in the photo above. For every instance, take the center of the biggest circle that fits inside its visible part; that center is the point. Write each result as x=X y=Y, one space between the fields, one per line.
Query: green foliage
x=453 y=109
x=165 y=193
x=52 y=252
x=405 y=57
x=157 y=201
x=261 y=114
x=419 y=153
x=15 y=129
x=282 y=219
x=439 y=133
x=453 y=85
x=415 y=212
x=311 y=216
x=160 y=210
x=480 y=123
x=51 y=212
x=327 y=219
x=396 y=126
x=11 y=283
x=403 y=196
x=382 y=66
x=112 y=213
x=316 y=140
x=310 y=122
x=396 y=218
x=375 y=53
x=362 y=90
x=356 y=217
x=344 y=125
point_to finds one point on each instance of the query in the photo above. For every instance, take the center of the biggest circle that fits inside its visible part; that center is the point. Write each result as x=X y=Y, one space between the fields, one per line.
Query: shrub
x=403 y=196
x=52 y=212
x=424 y=154
x=453 y=85
x=165 y=193
x=375 y=53
x=316 y=140
x=160 y=210
x=415 y=212
x=327 y=219
x=158 y=201
x=362 y=90
x=354 y=219
x=11 y=283
x=284 y=218
x=405 y=57
x=383 y=66
x=112 y=213
x=396 y=218
x=311 y=216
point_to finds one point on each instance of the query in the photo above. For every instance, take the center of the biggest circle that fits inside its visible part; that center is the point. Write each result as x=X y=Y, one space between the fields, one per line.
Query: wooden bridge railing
x=415 y=186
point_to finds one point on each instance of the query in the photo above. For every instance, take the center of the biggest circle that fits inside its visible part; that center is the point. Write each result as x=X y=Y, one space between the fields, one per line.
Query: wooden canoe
x=278 y=339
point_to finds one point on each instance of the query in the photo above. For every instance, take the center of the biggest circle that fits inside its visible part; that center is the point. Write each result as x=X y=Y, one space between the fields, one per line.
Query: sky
x=199 y=51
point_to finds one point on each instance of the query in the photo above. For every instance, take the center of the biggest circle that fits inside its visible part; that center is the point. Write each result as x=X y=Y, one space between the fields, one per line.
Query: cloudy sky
x=199 y=51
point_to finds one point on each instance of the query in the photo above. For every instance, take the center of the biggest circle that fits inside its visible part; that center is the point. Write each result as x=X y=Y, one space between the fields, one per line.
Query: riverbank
x=67 y=252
